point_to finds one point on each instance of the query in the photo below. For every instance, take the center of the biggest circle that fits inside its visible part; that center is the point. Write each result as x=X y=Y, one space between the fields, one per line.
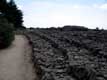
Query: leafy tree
x=97 y=29
x=12 y=13
x=3 y=6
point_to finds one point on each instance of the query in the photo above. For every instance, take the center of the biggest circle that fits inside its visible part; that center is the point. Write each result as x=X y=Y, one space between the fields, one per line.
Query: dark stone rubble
x=69 y=55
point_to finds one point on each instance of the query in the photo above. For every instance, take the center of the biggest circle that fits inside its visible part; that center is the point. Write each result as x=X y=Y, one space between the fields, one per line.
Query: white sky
x=39 y=13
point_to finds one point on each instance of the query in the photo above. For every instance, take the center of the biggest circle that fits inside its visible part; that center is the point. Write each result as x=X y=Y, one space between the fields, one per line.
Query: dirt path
x=15 y=61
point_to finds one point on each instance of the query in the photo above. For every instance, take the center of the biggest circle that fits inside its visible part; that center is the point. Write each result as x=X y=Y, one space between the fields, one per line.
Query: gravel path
x=15 y=61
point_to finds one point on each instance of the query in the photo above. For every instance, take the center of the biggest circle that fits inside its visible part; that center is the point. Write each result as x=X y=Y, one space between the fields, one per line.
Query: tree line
x=11 y=19
x=11 y=12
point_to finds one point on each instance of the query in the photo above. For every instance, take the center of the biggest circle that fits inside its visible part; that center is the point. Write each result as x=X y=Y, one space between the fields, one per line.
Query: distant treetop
x=74 y=28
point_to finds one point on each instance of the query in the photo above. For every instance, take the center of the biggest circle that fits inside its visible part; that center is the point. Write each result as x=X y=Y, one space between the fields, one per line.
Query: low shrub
x=6 y=33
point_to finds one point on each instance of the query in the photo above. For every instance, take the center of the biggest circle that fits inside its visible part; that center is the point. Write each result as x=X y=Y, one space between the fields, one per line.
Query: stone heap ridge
x=69 y=55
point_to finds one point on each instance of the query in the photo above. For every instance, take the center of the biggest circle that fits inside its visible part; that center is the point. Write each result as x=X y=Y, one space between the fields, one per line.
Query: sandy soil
x=15 y=61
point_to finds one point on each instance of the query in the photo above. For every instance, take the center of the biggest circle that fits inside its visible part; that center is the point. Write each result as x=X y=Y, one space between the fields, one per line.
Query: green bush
x=6 y=33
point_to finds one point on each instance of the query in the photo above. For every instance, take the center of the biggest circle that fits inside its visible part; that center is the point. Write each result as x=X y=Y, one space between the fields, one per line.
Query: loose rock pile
x=69 y=55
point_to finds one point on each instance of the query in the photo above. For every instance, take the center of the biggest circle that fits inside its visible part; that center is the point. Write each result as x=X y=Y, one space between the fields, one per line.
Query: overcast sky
x=54 y=13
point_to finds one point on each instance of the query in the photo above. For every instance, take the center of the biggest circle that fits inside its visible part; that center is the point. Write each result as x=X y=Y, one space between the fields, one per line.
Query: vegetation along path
x=15 y=61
